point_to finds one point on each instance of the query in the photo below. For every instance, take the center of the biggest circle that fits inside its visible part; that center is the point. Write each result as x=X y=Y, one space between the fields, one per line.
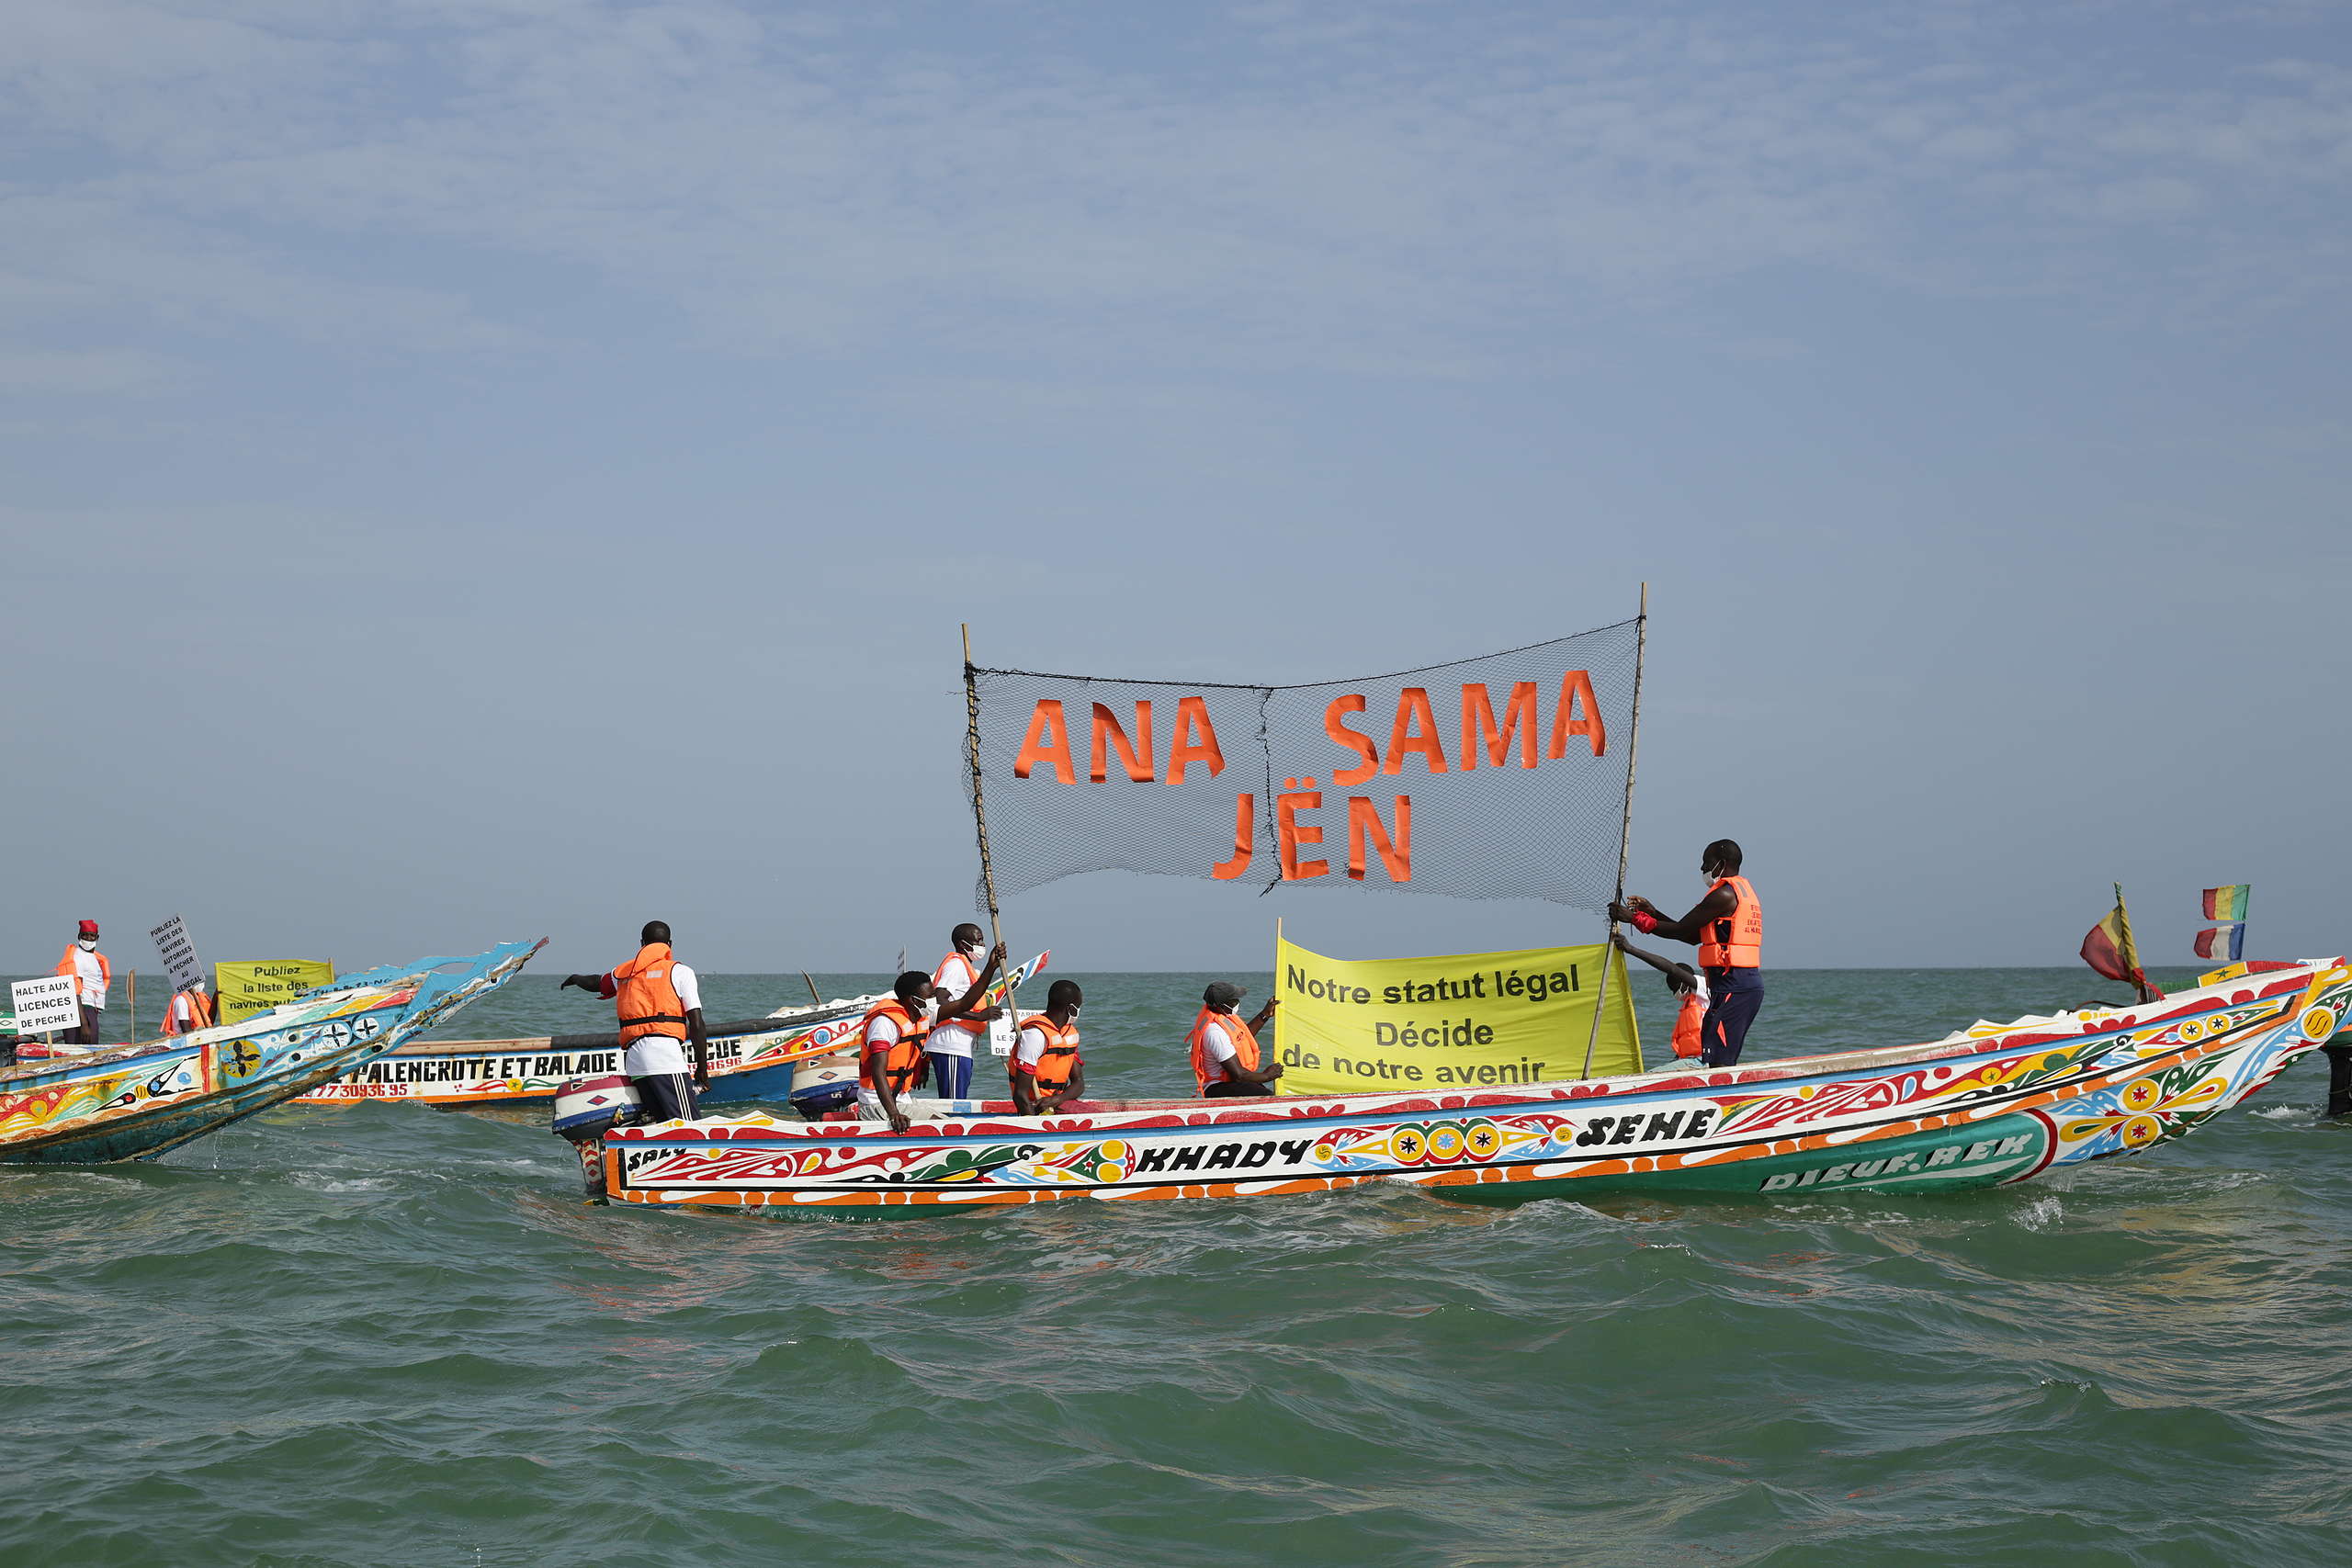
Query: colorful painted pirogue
x=1989 y=1105
x=137 y=1102
x=798 y=1055
x=804 y=1055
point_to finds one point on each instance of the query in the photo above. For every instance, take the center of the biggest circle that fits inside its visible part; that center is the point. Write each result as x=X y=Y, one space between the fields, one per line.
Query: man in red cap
x=92 y=974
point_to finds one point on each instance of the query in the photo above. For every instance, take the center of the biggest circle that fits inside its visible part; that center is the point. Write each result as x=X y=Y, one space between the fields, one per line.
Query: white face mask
x=1073 y=1015
x=86 y=944
x=968 y=949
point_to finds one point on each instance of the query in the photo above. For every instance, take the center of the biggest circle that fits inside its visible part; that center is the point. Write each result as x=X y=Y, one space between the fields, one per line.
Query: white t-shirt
x=90 y=980
x=1221 y=1049
x=179 y=1010
x=955 y=1037
x=1031 y=1048
x=659 y=1056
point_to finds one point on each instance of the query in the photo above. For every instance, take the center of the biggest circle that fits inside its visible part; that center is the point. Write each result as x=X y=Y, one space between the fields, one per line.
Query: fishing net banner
x=1498 y=777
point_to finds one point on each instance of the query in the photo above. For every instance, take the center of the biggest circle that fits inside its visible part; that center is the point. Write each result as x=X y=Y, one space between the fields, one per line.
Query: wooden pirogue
x=138 y=1101
x=1988 y=1105
x=801 y=1055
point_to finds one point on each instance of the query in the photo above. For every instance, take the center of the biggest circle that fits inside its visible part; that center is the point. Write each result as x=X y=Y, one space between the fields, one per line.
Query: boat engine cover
x=585 y=1107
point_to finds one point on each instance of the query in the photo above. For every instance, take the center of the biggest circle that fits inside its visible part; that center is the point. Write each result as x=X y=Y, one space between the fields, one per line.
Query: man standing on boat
x=92 y=972
x=1047 y=1071
x=1727 y=925
x=950 y=1045
x=1225 y=1058
x=659 y=1003
x=891 y=1056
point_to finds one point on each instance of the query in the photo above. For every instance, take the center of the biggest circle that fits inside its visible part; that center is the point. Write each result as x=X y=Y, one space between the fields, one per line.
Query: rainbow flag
x=2222 y=942
x=2227 y=903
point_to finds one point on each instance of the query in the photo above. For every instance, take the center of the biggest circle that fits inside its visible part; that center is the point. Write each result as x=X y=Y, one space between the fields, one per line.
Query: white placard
x=1001 y=1036
x=43 y=1006
x=179 y=954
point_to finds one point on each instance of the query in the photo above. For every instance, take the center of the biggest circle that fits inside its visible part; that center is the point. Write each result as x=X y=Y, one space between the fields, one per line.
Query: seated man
x=1684 y=982
x=1226 y=1059
x=891 y=1060
x=1047 y=1072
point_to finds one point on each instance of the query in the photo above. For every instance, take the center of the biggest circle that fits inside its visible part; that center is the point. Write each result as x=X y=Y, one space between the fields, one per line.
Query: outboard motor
x=584 y=1109
x=2338 y=1051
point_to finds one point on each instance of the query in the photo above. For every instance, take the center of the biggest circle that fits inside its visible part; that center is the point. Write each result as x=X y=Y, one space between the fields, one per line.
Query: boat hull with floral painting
x=1990 y=1105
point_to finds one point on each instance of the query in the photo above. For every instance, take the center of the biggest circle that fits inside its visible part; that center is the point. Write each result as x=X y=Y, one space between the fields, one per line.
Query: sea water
x=386 y=1334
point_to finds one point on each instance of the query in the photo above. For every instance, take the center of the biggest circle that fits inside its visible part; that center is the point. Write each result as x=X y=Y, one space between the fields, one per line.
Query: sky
x=516 y=469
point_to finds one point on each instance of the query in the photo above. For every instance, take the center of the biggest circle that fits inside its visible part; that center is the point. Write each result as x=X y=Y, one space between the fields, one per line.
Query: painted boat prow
x=139 y=1101
x=1991 y=1105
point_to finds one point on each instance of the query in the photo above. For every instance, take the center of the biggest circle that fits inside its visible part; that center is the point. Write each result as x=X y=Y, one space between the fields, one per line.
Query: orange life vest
x=1245 y=1046
x=1687 y=1041
x=902 y=1058
x=1059 y=1058
x=200 y=1013
x=1736 y=942
x=66 y=965
x=645 y=1001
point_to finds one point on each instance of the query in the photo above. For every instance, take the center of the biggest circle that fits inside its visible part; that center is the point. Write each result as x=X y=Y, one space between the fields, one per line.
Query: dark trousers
x=1230 y=1088
x=2339 y=1078
x=952 y=1074
x=94 y=1019
x=1734 y=995
x=667 y=1098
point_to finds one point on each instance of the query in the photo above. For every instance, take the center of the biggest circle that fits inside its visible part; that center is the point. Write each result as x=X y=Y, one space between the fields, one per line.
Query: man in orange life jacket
x=659 y=1003
x=1047 y=1072
x=1728 y=927
x=950 y=1045
x=93 y=972
x=1689 y=990
x=187 y=1012
x=1226 y=1059
x=891 y=1058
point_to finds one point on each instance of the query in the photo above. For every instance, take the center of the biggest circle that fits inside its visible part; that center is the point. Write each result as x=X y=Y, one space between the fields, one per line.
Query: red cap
x=89 y=927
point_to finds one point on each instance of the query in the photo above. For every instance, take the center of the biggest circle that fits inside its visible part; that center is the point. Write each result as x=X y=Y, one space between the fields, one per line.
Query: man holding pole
x=949 y=1047
x=1727 y=926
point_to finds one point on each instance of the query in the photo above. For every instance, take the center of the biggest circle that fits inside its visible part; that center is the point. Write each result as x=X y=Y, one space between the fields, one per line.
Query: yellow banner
x=260 y=984
x=1467 y=1020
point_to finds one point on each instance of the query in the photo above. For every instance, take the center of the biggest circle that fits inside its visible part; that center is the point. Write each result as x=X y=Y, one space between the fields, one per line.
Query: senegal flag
x=2109 y=948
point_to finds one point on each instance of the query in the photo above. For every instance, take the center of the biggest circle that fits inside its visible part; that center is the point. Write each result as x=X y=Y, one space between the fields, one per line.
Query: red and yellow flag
x=2110 y=949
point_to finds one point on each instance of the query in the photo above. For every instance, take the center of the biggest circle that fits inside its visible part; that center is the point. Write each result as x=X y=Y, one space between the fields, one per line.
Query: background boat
x=138 y=1101
x=754 y=1060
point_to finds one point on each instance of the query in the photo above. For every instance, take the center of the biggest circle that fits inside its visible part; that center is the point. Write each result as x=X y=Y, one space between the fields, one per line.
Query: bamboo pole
x=1625 y=823
x=980 y=816
x=133 y=1002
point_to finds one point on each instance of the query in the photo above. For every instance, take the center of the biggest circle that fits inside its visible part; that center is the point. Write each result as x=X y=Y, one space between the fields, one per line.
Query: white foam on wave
x=2042 y=1213
x=2284 y=1113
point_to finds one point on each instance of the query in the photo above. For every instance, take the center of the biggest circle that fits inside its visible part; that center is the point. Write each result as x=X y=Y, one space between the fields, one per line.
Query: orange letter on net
x=1364 y=823
x=1108 y=736
x=1290 y=833
x=1478 y=725
x=1415 y=730
x=1245 y=839
x=1047 y=742
x=1578 y=714
x=1196 y=740
x=1347 y=740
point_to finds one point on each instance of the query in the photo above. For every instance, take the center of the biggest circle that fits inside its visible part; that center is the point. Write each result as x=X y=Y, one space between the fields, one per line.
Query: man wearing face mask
x=949 y=1049
x=1727 y=925
x=1047 y=1071
x=93 y=972
x=1224 y=1050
